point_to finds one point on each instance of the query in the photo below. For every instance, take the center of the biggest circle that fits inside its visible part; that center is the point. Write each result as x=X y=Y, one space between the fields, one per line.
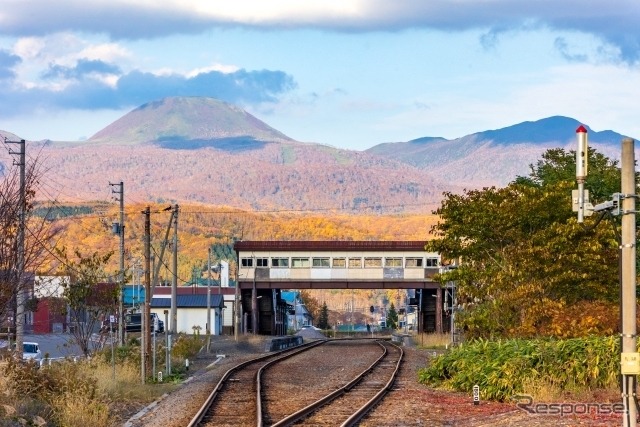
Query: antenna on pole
x=581 y=196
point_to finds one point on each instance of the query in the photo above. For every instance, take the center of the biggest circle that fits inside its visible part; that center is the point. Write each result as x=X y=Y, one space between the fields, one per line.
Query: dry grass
x=125 y=374
x=542 y=390
x=72 y=410
x=76 y=394
x=127 y=384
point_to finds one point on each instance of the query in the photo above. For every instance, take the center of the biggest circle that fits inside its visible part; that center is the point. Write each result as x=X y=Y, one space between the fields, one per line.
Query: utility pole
x=163 y=245
x=145 y=330
x=20 y=287
x=209 y=302
x=120 y=232
x=174 y=280
x=623 y=204
x=630 y=362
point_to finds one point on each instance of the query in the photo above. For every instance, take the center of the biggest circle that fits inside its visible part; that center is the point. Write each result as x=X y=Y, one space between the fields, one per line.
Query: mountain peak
x=189 y=122
x=554 y=129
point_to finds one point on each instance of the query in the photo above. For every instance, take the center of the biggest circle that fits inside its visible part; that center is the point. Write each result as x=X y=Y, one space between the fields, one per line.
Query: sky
x=347 y=73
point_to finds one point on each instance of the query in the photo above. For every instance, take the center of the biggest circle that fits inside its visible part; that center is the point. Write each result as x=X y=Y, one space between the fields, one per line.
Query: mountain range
x=196 y=149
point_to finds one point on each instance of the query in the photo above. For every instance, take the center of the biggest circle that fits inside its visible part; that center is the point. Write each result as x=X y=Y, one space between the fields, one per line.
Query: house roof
x=330 y=245
x=288 y=296
x=189 y=301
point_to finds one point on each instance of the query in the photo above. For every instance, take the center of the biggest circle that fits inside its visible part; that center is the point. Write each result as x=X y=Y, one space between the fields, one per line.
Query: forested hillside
x=87 y=228
x=276 y=176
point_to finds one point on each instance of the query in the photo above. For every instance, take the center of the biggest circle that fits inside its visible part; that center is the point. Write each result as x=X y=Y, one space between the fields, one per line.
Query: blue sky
x=348 y=73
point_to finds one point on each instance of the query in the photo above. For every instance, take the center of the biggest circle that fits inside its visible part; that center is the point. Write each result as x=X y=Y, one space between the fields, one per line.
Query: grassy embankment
x=544 y=368
x=86 y=393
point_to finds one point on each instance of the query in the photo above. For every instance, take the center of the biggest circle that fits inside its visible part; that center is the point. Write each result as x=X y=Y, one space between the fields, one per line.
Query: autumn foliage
x=87 y=228
x=528 y=268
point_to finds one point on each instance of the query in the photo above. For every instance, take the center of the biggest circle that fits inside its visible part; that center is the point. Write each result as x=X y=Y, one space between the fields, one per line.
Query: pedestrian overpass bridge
x=266 y=267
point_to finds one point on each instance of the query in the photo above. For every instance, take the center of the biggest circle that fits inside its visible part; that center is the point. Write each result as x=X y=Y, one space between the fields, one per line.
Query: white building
x=191 y=312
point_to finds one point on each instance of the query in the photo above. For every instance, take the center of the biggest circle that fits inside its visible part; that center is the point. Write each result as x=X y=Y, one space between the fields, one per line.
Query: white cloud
x=222 y=68
x=29 y=47
x=107 y=52
x=599 y=96
x=66 y=48
x=63 y=49
x=278 y=11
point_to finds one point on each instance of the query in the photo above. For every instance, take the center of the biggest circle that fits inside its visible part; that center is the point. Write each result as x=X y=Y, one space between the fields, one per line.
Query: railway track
x=338 y=394
x=234 y=402
x=349 y=404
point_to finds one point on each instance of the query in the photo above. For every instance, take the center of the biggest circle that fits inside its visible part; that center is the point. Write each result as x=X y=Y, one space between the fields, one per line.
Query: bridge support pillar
x=254 y=311
x=439 y=311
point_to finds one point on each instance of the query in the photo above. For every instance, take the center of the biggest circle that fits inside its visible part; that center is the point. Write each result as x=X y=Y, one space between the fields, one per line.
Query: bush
x=583 y=318
x=186 y=347
x=129 y=353
x=501 y=368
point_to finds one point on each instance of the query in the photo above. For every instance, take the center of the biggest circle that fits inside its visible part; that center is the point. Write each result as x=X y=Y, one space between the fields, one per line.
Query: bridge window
x=279 y=262
x=355 y=262
x=413 y=262
x=262 y=262
x=300 y=262
x=339 y=263
x=432 y=262
x=321 y=262
x=246 y=262
x=393 y=262
x=373 y=262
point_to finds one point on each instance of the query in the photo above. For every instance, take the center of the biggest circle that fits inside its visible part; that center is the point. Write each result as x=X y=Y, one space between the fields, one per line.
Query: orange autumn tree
x=525 y=259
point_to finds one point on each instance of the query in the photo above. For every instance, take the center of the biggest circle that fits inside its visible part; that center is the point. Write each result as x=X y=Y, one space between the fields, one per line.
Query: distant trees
x=323 y=319
x=392 y=317
x=525 y=259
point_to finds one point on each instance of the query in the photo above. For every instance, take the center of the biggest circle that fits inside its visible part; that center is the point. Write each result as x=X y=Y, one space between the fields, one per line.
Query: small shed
x=191 y=312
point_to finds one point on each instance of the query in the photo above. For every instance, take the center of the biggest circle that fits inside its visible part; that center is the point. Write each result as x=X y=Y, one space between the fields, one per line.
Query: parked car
x=133 y=323
x=31 y=351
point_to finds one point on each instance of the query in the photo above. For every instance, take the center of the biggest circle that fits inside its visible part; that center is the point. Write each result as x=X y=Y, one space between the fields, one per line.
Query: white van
x=31 y=351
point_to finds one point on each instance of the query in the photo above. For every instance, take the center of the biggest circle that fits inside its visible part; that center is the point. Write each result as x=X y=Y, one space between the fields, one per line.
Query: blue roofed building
x=297 y=313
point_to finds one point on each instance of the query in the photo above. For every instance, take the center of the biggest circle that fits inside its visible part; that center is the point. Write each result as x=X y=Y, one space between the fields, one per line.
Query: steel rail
x=259 y=377
x=202 y=412
x=309 y=409
x=366 y=408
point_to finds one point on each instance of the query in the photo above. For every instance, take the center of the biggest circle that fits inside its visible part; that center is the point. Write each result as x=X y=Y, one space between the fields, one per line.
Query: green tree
x=88 y=299
x=323 y=319
x=523 y=253
x=558 y=165
x=392 y=317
